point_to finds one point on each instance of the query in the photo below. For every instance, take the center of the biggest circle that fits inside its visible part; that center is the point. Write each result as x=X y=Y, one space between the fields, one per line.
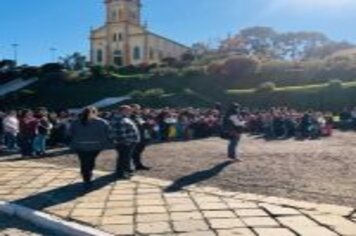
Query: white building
x=123 y=40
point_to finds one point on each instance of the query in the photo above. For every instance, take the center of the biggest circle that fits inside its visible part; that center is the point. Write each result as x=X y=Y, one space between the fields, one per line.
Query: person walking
x=143 y=128
x=126 y=137
x=232 y=128
x=90 y=135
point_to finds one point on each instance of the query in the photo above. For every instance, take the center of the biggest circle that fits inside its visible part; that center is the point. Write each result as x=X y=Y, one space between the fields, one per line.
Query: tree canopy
x=267 y=43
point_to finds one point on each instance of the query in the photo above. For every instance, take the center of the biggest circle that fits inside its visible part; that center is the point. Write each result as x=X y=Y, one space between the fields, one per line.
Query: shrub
x=240 y=66
x=30 y=72
x=154 y=93
x=165 y=71
x=129 y=70
x=266 y=87
x=27 y=92
x=169 y=61
x=335 y=84
x=192 y=71
x=187 y=57
x=97 y=71
x=150 y=93
x=136 y=94
x=214 y=68
x=51 y=68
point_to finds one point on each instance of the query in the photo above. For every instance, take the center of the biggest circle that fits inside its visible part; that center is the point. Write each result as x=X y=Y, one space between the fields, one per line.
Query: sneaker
x=123 y=176
x=142 y=167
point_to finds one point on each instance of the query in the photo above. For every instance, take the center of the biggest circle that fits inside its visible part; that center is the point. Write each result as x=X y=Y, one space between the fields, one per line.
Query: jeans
x=39 y=143
x=87 y=163
x=125 y=153
x=10 y=140
x=232 y=148
x=26 y=145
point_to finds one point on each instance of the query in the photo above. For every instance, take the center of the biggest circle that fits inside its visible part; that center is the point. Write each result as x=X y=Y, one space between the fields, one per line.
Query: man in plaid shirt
x=126 y=136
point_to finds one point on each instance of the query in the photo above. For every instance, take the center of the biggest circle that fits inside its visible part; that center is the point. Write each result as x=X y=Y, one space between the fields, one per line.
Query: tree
x=6 y=65
x=200 y=48
x=295 y=45
x=240 y=66
x=328 y=49
x=259 y=41
x=76 y=61
x=187 y=57
x=233 y=44
x=266 y=43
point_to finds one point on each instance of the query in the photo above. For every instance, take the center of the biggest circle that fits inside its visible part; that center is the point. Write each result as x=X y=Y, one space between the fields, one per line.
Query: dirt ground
x=322 y=171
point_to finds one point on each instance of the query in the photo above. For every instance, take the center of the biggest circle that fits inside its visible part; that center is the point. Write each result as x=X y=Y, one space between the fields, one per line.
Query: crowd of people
x=131 y=128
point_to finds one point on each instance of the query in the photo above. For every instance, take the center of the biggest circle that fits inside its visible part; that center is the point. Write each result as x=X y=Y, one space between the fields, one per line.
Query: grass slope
x=179 y=91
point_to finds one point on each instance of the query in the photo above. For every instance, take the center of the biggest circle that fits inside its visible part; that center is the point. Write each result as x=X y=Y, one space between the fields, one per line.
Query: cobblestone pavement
x=146 y=206
x=10 y=226
x=315 y=170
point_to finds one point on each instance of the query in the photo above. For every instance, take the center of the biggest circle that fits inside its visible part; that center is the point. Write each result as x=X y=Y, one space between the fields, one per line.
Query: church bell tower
x=121 y=11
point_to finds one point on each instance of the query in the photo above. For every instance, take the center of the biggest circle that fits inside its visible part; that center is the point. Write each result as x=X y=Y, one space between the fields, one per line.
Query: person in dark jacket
x=28 y=129
x=233 y=128
x=144 y=130
x=90 y=135
x=126 y=137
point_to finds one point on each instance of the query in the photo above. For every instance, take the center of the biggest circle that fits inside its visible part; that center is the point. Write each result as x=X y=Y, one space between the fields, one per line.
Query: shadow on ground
x=197 y=177
x=63 y=194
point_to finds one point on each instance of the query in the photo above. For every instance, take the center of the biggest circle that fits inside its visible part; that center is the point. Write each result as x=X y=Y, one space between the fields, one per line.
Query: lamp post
x=53 y=54
x=15 y=46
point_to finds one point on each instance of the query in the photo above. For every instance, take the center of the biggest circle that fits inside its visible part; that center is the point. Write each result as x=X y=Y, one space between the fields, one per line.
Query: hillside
x=345 y=53
x=58 y=94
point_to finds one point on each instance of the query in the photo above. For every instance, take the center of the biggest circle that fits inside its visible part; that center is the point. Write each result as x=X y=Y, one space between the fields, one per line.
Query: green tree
x=75 y=61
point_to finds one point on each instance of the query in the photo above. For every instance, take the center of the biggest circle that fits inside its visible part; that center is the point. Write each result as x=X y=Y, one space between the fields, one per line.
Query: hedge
x=323 y=97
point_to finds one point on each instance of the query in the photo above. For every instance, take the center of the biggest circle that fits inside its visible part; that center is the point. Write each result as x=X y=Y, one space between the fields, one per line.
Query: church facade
x=123 y=40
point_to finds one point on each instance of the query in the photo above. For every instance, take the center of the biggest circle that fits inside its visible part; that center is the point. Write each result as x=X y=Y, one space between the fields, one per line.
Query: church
x=123 y=40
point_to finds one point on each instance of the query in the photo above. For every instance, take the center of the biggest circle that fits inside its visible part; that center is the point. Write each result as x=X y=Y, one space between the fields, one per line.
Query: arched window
x=120 y=37
x=121 y=14
x=99 y=55
x=114 y=38
x=137 y=53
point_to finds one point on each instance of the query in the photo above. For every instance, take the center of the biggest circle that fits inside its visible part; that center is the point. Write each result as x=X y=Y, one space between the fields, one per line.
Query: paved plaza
x=147 y=206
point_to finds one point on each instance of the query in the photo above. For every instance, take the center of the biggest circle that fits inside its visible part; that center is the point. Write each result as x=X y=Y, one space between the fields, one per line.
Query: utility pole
x=15 y=46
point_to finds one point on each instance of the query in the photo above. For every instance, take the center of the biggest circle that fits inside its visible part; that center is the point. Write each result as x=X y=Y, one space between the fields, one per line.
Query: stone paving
x=145 y=206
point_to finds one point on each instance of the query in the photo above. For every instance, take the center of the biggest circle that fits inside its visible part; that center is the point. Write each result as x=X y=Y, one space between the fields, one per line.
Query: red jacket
x=28 y=126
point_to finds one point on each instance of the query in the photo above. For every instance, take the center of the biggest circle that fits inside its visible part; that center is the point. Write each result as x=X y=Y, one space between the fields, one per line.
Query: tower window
x=99 y=56
x=113 y=16
x=120 y=37
x=114 y=38
x=137 y=53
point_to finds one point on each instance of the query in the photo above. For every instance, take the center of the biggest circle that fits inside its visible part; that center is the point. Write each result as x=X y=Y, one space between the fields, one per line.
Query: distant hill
x=345 y=53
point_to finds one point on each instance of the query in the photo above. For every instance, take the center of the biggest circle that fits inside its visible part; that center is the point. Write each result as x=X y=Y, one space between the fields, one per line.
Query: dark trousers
x=87 y=163
x=123 y=164
x=26 y=145
x=137 y=152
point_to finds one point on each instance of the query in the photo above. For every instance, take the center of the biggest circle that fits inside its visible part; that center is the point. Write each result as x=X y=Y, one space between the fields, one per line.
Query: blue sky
x=38 y=25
